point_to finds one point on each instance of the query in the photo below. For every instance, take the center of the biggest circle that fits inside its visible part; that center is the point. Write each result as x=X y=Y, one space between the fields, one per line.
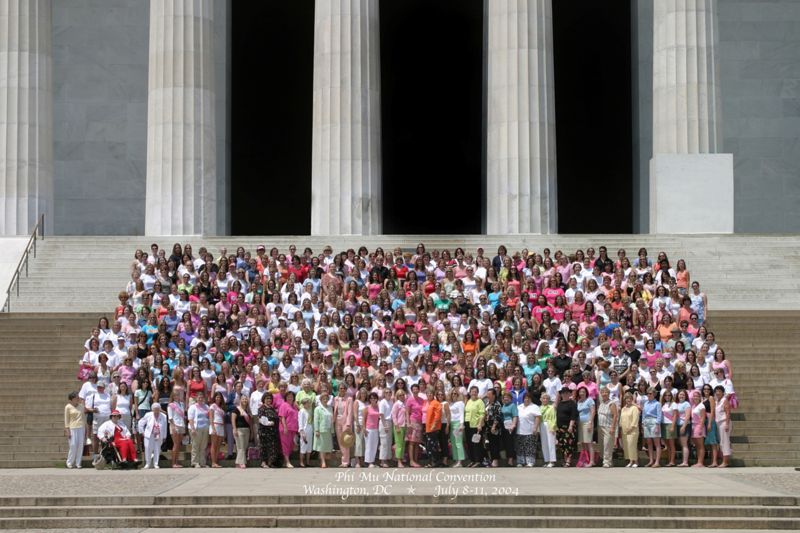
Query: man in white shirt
x=153 y=427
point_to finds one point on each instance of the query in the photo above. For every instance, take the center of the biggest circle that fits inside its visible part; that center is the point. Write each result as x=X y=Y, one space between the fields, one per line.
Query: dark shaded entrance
x=592 y=48
x=272 y=61
x=431 y=111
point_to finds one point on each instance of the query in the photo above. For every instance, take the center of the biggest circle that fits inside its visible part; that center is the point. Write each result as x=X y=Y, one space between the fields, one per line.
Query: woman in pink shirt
x=414 y=432
x=372 y=422
x=552 y=291
x=399 y=422
x=287 y=412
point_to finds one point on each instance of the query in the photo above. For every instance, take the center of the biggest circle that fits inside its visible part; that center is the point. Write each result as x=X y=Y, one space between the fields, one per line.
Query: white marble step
x=719 y=262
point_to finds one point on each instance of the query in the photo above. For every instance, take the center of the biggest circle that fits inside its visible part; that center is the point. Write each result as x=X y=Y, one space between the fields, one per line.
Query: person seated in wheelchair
x=118 y=437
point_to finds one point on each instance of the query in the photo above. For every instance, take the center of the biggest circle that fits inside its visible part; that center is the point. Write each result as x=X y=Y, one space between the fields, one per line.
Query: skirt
x=698 y=431
x=668 y=432
x=565 y=440
x=414 y=432
x=652 y=429
x=584 y=433
x=712 y=437
x=323 y=443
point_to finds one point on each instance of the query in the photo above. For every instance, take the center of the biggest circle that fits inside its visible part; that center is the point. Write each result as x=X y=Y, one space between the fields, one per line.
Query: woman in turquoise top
x=510 y=420
x=323 y=426
x=531 y=367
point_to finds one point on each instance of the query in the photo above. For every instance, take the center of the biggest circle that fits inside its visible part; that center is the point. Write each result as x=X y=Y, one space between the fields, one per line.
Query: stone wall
x=760 y=78
x=100 y=69
x=99 y=115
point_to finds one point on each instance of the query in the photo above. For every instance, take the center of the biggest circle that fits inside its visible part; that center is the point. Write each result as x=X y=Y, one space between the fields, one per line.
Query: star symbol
x=411 y=490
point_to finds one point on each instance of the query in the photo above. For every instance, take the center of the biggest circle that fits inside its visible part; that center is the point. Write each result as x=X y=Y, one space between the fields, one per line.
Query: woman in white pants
x=723 y=416
x=359 y=416
x=153 y=428
x=547 y=431
x=373 y=423
x=385 y=428
x=74 y=426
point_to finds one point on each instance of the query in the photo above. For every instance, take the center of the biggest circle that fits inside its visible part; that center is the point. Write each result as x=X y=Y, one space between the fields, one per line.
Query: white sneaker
x=70 y=466
x=635 y=465
x=529 y=465
x=156 y=466
x=78 y=466
x=146 y=467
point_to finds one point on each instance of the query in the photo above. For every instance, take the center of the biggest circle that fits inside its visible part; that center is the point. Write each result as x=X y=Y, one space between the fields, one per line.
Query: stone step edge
x=337 y=521
x=777 y=501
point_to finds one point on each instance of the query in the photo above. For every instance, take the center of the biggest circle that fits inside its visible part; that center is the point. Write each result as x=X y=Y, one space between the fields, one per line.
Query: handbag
x=253 y=453
x=84 y=371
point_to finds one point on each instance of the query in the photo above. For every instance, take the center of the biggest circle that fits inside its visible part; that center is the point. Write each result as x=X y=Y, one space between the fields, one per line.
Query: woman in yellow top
x=474 y=412
x=629 y=425
x=433 y=425
x=74 y=430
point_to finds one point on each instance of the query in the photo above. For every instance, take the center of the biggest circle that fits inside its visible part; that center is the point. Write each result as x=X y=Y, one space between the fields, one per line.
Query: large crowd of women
x=390 y=358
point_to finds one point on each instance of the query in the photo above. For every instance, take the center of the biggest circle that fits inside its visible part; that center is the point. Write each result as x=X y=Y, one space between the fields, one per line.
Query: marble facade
x=725 y=83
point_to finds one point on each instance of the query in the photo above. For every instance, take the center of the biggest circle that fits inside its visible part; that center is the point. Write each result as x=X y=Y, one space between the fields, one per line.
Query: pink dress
x=289 y=413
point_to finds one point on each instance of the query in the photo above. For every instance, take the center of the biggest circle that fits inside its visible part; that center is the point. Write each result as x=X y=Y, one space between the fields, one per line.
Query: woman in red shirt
x=196 y=386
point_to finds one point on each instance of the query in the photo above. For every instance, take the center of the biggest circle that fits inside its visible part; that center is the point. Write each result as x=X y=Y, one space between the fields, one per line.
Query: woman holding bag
x=474 y=411
x=343 y=420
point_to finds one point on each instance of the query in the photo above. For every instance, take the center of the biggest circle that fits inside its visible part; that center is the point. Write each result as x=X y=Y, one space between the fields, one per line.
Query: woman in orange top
x=433 y=426
x=469 y=345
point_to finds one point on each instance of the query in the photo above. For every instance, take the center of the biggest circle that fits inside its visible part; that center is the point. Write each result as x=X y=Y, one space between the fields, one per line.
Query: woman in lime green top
x=547 y=431
x=474 y=412
x=306 y=392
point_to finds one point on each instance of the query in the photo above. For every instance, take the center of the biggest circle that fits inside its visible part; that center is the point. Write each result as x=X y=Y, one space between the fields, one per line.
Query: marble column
x=688 y=174
x=26 y=115
x=521 y=129
x=686 y=91
x=346 y=151
x=181 y=134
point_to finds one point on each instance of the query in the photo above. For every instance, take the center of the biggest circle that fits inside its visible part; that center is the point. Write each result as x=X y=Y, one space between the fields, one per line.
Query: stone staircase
x=78 y=274
x=766 y=364
x=39 y=355
x=691 y=512
x=78 y=277
x=762 y=347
